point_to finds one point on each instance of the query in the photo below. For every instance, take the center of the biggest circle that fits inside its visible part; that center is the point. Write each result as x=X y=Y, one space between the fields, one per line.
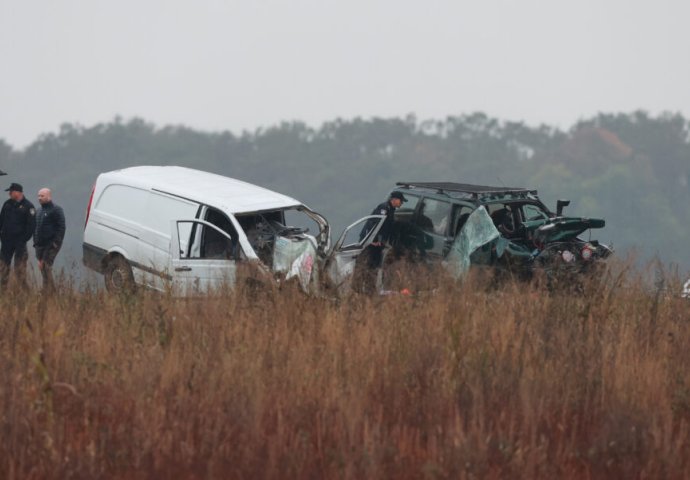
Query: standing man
x=17 y=223
x=50 y=231
x=374 y=252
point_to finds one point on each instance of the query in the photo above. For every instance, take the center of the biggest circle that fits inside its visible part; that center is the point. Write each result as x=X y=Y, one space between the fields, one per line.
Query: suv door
x=434 y=223
x=406 y=235
x=203 y=256
x=340 y=264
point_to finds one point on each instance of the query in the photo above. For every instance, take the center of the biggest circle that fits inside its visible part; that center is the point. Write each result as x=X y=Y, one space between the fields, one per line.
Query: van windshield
x=294 y=224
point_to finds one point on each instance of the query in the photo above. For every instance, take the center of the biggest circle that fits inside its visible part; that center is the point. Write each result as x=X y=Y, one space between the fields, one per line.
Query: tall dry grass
x=466 y=382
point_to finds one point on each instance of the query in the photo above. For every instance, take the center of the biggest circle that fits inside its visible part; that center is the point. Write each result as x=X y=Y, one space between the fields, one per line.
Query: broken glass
x=478 y=230
x=296 y=257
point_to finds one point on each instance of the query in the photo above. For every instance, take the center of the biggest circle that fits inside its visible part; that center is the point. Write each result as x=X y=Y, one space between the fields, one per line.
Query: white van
x=175 y=227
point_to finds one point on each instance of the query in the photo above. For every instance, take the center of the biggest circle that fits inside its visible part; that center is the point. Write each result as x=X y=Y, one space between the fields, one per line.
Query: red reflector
x=586 y=253
x=88 y=207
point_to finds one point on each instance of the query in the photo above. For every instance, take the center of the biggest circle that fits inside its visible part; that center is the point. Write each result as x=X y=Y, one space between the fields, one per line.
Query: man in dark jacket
x=386 y=208
x=17 y=223
x=50 y=231
x=374 y=252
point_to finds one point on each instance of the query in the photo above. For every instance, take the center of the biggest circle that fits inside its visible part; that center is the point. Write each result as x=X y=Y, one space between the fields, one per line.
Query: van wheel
x=118 y=276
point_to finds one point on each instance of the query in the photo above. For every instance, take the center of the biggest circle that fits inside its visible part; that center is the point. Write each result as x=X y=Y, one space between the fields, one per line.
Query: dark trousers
x=366 y=269
x=8 y=251
x=374 y=256
x=46 y=255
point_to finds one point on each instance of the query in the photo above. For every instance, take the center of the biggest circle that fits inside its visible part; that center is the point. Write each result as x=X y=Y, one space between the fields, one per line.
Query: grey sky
x=236 y=65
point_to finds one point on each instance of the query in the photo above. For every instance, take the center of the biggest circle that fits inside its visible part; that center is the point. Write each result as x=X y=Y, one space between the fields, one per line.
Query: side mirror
x=560 y=204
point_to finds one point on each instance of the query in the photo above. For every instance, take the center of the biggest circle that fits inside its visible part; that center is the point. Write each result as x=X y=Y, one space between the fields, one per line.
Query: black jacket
x=384 y=233
x=17 y=221
x=50 y=226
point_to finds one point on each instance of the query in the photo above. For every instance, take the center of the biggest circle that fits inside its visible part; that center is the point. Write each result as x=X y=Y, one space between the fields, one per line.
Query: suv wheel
x=118 y=276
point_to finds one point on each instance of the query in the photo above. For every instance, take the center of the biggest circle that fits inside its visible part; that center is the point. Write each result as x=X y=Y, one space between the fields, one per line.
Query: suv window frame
x=415 y=212
x=450 y=203
x=456 y=208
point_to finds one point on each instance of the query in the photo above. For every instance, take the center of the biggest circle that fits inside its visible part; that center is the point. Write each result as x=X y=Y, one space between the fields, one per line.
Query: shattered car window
x=263 y=228
x=296 y=259
x=479 y=229
x=280 y=240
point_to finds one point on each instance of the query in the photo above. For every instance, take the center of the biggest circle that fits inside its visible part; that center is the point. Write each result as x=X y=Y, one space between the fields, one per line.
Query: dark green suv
x=510 y=228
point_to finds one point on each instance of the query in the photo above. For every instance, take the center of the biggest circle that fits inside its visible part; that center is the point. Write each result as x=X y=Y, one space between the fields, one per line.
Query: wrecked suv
x=503 y=227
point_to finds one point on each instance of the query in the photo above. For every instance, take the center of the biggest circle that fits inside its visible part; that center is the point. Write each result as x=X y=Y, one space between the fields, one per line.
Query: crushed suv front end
x=505 y=228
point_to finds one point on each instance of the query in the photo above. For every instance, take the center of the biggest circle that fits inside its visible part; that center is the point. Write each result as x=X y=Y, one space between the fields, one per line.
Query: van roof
x=235 y=196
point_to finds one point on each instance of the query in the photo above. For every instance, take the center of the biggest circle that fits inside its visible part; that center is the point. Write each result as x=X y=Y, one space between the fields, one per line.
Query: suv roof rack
x=474 y=190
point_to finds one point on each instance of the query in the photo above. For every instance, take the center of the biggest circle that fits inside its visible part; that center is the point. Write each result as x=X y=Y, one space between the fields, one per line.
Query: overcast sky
x=219 y=65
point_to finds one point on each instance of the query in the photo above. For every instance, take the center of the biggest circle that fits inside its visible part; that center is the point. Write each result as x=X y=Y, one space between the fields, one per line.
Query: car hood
x=561 y=228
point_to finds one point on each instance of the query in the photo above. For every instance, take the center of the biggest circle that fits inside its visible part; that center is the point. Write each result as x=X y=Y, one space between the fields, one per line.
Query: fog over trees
x=630 y=168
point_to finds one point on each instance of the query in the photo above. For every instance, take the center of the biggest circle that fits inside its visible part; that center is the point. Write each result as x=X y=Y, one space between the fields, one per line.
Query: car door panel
x=191 y=270
x=341 y=262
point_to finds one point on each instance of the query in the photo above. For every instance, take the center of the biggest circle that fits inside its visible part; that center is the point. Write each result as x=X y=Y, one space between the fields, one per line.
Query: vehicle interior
x=208 y=243
x=422 y=218
x=262 y=229
x=508 y=217
x=216 y=245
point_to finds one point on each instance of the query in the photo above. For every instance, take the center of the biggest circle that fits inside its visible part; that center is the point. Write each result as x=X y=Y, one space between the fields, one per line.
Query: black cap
x=399 y=196
x=15 y=187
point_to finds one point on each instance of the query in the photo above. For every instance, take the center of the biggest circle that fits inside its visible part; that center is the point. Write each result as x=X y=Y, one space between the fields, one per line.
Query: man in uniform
x=374 y=252
x=17 y=223
x=50 y=231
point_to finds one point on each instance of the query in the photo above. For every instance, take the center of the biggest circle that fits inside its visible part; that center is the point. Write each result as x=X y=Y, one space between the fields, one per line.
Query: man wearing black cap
x=387 y=208
x=17 y=223
x=374 y=252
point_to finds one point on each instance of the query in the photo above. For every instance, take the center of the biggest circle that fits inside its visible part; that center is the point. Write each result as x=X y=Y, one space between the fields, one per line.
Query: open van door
x=203 y=257
x=340 y=264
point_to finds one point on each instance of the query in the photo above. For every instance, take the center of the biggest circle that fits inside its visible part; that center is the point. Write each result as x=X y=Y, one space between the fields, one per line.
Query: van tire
x=118 y=276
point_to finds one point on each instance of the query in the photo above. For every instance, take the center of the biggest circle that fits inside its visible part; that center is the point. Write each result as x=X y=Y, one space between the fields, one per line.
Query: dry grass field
x=467 y=382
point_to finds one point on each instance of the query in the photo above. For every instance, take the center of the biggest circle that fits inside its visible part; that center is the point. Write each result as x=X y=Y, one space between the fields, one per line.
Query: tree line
x=630 y=168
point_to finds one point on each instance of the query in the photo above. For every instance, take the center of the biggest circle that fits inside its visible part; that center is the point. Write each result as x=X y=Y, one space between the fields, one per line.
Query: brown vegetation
x=466 y=383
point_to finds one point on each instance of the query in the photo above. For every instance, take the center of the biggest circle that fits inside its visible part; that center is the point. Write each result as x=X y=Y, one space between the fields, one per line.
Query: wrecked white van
x=179 y=228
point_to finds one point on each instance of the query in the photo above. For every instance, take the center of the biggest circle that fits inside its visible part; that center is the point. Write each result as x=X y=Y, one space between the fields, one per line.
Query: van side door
x=340 y=264
x=203 y=257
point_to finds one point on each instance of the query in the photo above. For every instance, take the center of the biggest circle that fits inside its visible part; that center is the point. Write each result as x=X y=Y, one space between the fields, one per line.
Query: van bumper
x=92 y=257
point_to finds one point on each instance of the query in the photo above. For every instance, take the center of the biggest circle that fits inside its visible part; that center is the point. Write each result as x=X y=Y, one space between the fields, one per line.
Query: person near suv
x=373 y=254
x=17 y=223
